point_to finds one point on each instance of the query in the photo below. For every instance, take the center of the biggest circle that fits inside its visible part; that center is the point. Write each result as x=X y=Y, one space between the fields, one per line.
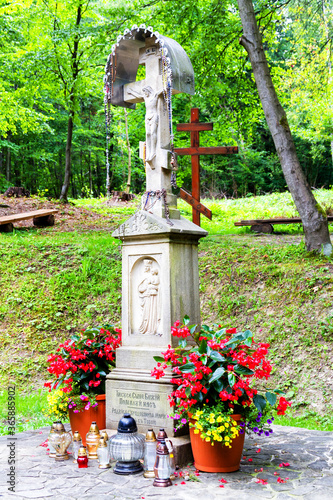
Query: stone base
x=181 y=446
x=146 y=399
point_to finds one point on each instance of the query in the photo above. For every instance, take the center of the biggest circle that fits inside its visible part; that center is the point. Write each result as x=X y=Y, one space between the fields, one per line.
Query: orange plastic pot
x=217 y=458
x=81 y=421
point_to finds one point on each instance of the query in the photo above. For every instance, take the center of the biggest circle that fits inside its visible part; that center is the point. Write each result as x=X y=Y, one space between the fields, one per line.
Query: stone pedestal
x=160 y=284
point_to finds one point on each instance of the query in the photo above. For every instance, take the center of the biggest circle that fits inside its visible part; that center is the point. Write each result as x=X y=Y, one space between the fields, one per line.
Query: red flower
x=261 y=481
x=282 y=406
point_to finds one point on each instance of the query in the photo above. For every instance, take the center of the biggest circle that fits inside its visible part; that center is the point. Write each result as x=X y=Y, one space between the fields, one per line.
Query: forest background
x=52 y=59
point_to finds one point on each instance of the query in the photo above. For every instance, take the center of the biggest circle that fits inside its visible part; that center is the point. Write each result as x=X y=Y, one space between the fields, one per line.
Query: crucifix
x=195 y=151
x=155 y=152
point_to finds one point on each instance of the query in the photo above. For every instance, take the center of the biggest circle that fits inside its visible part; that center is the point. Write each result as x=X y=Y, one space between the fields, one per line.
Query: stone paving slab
x=309 y=473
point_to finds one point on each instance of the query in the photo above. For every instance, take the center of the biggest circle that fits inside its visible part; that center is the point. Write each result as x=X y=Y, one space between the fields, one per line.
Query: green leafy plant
x=217 y=374
x=79 y=367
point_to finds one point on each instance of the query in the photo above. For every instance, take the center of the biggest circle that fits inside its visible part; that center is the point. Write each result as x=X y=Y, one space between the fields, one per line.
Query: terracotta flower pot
x=81 y=421
x=217 y=458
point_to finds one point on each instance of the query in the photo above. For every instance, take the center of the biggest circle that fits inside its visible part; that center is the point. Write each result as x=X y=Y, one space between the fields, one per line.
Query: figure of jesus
x=152 y=120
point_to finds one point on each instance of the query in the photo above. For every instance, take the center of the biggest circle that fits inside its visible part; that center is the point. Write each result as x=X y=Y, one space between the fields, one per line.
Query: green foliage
x=30 y=408
x=40 y=87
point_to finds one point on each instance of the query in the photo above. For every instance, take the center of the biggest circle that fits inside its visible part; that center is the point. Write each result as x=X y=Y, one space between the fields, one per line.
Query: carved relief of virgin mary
x=149 y=299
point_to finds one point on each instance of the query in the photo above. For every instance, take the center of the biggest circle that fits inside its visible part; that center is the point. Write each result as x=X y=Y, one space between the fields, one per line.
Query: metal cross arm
x=195 y=151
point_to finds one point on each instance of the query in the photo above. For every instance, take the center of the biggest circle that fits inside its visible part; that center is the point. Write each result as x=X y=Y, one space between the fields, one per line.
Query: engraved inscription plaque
x=148 y=408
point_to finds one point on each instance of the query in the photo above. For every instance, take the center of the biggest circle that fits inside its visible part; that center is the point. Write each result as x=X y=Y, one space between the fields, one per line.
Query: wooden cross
x=195 y=151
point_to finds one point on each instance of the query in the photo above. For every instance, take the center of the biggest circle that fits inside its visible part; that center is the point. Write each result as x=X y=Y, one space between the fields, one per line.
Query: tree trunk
x=313 y=217
x=8 y=163
x=72 y=102
x=67 y=178
x=128 y=185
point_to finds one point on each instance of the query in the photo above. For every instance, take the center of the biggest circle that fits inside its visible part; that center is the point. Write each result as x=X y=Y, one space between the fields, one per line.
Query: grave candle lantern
x=162 y=467
x=52 y=451
x=127 y=447
x=92 y=440
x=82 y=458
x=103 y=454
x=162 y=435
x=77 y=443
x=150 y=454
x=105 y=435
x=60 y=440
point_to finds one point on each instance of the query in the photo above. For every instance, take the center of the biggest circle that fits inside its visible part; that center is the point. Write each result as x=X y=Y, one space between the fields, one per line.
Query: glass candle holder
x=105 y=435
x=77 y=443
x=127 y=447
x=52 y=451
x=103 y=454
x=150 y=454
x=92 y=440
x=162 y=435
x=60 y=440
x=82 y=458
x=162 y=466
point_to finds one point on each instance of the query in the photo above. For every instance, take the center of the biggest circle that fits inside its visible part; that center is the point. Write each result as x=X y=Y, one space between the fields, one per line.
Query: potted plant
x=218 y=379
x=79 y=368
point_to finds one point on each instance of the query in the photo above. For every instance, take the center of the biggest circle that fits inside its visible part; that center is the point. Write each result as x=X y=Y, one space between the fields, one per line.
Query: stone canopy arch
x=131 y=50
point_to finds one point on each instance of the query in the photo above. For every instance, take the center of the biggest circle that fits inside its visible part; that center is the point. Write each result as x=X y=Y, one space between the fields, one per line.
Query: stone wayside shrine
x=160 y=277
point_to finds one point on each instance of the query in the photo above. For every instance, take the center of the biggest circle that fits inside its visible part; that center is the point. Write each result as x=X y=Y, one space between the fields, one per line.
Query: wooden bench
x=41 y=218
x=266 y=225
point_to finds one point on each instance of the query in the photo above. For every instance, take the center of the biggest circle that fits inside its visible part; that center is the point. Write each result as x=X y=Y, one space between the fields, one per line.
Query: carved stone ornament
x=149 y=296
x=140 y=223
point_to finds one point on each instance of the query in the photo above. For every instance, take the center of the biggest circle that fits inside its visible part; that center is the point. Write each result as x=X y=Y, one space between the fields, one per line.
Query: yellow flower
x=226 y=424
x=207 y=439
x=209 y=433
x=221 y=428
x=211 y=421
x=219 y=419
x=196 y=431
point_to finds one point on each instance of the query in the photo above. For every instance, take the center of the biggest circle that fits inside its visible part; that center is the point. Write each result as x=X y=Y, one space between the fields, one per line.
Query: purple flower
x=258 y=419
x=255 y=429
x=242 y=424
x=269 y=421
x=266 y=433
x=241 y=431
